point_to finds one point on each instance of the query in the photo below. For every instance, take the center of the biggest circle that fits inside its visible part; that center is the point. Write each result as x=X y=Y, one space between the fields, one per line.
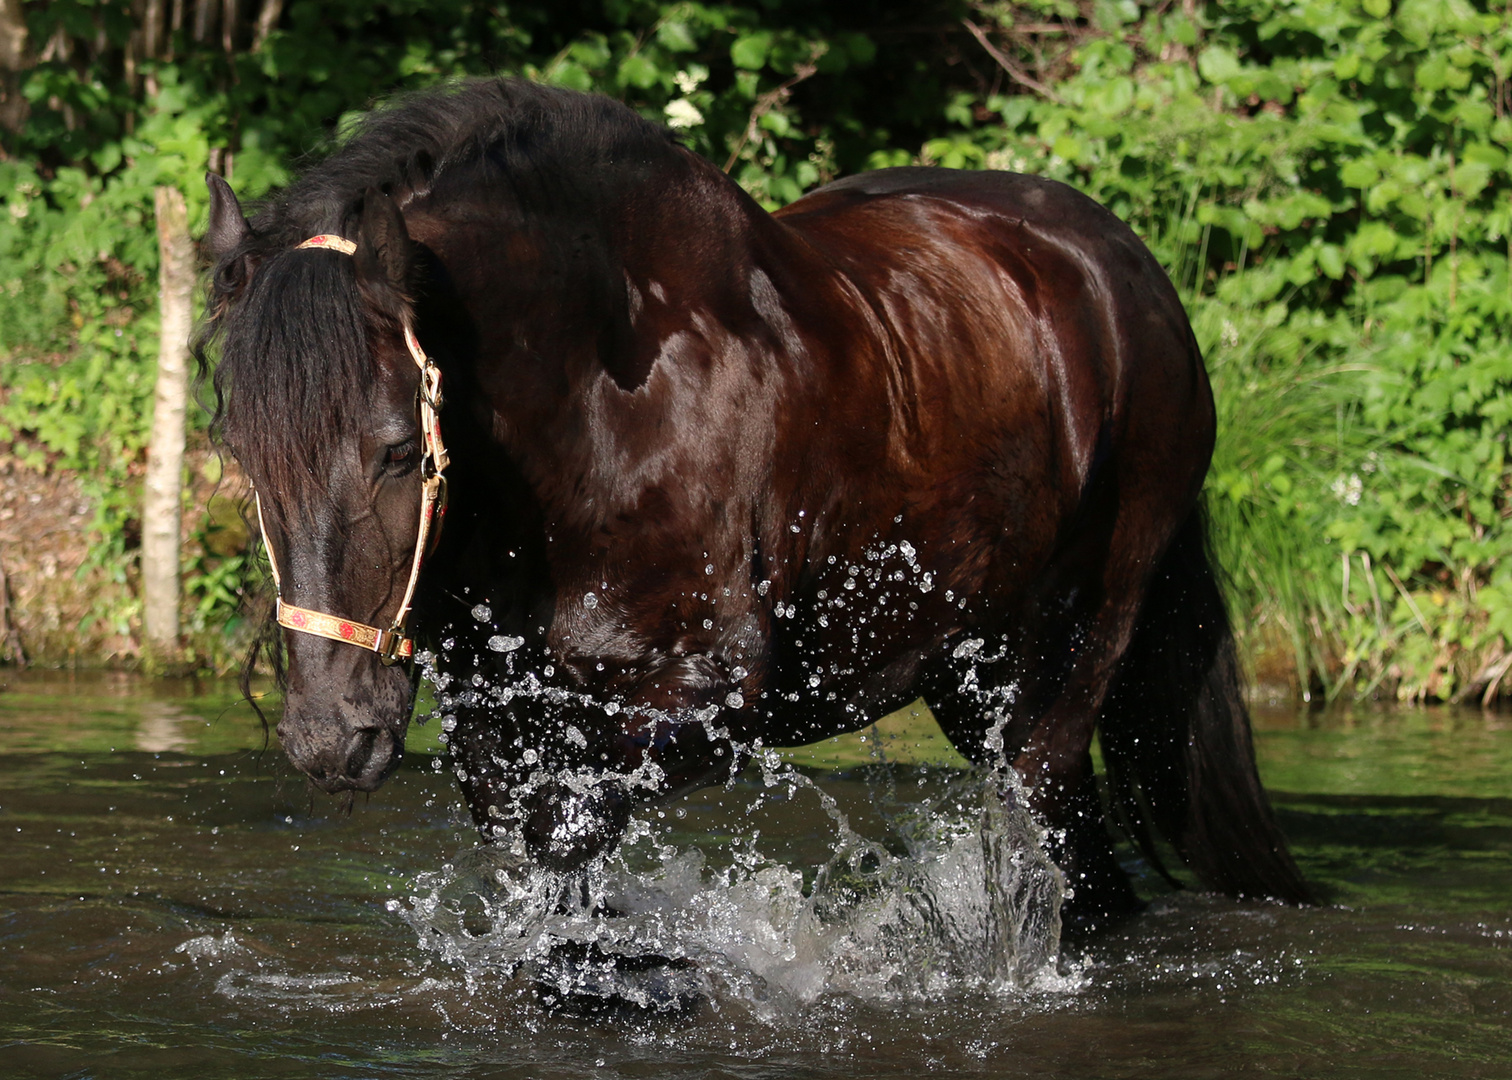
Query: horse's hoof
x=566 y=828
x=586 y=981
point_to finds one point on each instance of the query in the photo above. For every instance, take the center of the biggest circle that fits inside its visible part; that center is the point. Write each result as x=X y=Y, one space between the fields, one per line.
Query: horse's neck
x=561 y=294
x=557 y=304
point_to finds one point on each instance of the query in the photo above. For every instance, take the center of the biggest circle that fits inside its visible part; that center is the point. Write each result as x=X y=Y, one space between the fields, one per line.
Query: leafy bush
x=1325 y=181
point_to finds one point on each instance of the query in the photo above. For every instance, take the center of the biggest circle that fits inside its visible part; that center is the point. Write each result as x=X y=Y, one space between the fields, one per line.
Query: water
x=174 y=903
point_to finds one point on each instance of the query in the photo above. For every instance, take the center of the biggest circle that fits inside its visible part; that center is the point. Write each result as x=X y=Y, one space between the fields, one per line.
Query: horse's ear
x=228 y=225
x=384 y=251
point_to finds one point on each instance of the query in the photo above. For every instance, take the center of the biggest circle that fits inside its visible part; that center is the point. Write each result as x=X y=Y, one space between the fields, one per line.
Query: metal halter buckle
x=389 y=643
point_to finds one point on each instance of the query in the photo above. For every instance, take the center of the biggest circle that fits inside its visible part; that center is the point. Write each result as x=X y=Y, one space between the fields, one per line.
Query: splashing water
x=957 y=893
x=958 y=896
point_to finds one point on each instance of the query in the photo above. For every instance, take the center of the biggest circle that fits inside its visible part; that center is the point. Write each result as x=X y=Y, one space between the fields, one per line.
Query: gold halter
x=392 y=644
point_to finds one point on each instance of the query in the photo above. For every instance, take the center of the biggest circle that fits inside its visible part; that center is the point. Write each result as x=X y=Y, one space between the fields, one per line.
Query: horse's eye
x=401 y=455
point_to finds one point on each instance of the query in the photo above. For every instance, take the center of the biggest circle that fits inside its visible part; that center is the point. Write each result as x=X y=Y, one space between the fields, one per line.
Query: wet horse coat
x=722 y=478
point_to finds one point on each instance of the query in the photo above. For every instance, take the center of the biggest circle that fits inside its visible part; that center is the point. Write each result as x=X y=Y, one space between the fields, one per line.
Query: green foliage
x=1326 y=182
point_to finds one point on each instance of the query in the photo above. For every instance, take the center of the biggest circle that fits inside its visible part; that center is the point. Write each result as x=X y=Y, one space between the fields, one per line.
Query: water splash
x=958 y=895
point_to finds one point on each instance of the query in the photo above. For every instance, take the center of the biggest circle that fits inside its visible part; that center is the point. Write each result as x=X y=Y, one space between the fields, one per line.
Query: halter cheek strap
x=392 y=644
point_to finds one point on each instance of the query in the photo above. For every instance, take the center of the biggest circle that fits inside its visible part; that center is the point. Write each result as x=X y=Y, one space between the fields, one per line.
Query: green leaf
x=639 y=71
x=861 y=48
x=750 y=51
x=1331 y=261
x=675 y=36
x=1359 y=173
x=1218 y=64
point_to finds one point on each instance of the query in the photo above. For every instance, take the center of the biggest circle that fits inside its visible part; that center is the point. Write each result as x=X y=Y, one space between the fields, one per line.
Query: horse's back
x=1068 y=258
x=1024 y=302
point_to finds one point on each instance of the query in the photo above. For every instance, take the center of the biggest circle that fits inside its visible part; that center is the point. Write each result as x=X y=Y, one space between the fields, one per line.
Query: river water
x=175 y=903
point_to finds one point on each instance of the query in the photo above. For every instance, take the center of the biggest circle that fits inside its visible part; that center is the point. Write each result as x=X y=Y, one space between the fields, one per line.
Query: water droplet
x=501 y=643
x=482 y=613
x=968 y=648
x=735 y=699
x=590 y=601
x=709 y=569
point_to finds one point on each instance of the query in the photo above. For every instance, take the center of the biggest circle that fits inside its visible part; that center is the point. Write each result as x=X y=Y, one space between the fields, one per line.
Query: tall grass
x=1289 y=426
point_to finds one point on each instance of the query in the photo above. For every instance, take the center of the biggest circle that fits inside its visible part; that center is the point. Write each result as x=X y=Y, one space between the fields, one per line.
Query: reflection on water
x=163 y=728
x=175 y=903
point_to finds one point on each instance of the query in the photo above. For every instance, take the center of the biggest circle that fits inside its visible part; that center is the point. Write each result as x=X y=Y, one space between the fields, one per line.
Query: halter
x=392 y=644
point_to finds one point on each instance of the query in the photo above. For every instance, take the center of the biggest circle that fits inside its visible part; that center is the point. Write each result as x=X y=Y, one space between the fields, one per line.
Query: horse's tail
x=1176 y=736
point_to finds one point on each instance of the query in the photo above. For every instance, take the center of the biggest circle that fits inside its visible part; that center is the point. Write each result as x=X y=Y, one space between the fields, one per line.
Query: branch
x=1016 y=73
x=770 y=100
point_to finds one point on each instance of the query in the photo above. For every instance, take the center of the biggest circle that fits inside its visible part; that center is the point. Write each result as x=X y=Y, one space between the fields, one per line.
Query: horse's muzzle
x=360 y=761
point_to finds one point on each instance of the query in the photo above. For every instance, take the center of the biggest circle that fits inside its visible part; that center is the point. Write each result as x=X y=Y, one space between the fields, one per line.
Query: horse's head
x=317 y=395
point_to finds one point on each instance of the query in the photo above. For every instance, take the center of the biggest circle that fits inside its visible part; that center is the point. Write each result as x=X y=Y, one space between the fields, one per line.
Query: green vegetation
x=1326 y=182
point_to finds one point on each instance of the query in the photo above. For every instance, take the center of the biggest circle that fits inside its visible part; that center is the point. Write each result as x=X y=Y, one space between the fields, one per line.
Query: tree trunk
x=152 y=30
x=206 y=18
x=10 y=640
x=267 y=22
x=230 y=25
x=15 y=57
x=163 y=503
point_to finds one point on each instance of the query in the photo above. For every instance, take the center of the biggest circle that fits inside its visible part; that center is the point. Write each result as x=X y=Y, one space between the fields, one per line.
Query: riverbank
x=68 y=603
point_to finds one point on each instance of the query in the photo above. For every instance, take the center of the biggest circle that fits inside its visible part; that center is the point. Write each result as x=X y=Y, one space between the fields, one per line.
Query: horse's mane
x=405 y=146
x=294 y=365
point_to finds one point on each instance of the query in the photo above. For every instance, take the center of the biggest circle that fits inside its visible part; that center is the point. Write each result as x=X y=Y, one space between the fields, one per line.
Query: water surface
x=174 y=902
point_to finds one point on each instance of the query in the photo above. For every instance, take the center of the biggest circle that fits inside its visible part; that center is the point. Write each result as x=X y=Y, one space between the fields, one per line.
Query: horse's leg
x=512 y=761
x=1034 y=704
x=1059 y=654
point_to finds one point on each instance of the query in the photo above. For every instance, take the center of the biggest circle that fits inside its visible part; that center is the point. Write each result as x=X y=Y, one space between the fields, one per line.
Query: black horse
x=722 y=478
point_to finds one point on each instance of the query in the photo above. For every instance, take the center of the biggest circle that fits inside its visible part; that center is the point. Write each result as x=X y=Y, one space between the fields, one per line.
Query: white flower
x=1348 y=491
x=682 y=113
x=687 y=81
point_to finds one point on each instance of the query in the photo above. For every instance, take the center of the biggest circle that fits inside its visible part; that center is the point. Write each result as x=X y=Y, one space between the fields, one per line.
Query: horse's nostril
x=360 y=750
x=372 y=754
